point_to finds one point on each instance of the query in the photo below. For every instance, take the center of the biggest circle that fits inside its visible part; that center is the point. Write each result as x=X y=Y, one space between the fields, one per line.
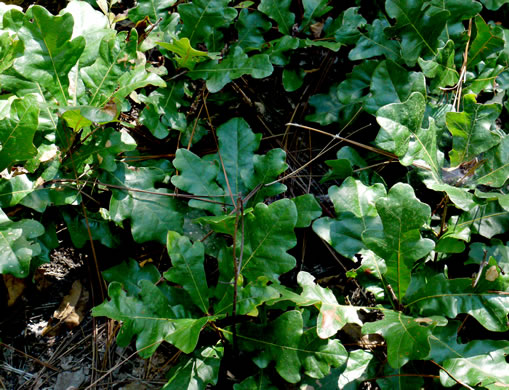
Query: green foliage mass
x=155 y=132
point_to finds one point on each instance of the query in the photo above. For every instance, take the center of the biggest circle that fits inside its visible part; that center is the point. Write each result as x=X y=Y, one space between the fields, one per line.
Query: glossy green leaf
x=471 y=130
x=332 y=316
x=150 y=318
x=441 y=67
x=162 y=112
x=151 y=213
x=445 y=344
x=267 y=168
x=4 y=8
x=329 y=353
x=345 y=28
x=76 y=120
x=454 y=238
x=187 y=331
x=485 y=79
x=133 y=80
x=489 y=40
x=9 y=47
x=269 y=234
x=17 y=132
x=399 y=379
x=196 y=231
x=11 y=17
x=418 y=25
x=293 y=79
x=14 y=189
x=293 y=349
x=495 y=169
x=237 y=144
x=391 y=83
x=93 y=25
x=279 y=11
x=235 y=65
x=198 y=177
x=488 y=370
x=327 y=44
x=344 y=100
x=461 y=197
x=494 y=4
x=244 y=169
x=308 y=209
x=251 y=26
x=496 y=249
x=400 y=123
x=222 y=223
x=402 y=134
x=406 y=337
x=374 y=43
x=46 y=153
x=187 y=268
x=476 y=362
x=52 y=53
x=18 y=245
x=372 y=265
x=186 y=55
x=249 y=297
x=100 y=230
x=103 y=149
x=327 y=107
x=192 y=134
x=279 y=50
x=487 y=220
x=358 y=368
x=354 y=88
x=313 y=9
x=197 y=371
x=354 y=204
x=102 y=115
x=112 y=75
x=129 y=275
x=458 y=9
x=400 y=243
x=257 y=382
x=338 y=169
x=39 y=198
x=154 y=9
x=487 y=302
x=202 y=20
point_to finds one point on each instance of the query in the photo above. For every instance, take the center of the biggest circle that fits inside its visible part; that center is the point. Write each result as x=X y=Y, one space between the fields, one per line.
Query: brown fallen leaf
x=491 y=273
x=372 y=341
x=424 y=320
x=70 y=312
x=366 y=341
x=15 y=288
x=316 y=29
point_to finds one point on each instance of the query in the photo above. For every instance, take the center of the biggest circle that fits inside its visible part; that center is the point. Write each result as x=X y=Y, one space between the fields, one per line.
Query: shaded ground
x=62 y=358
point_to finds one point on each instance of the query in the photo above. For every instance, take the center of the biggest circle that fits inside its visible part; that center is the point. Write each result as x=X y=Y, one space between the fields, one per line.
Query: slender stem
x=202 y=198
x=235 y=279
x=452 y=376
x=47 y=365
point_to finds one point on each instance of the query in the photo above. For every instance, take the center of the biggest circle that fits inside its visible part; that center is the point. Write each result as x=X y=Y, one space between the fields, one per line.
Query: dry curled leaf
x=71 y=310
x=15 y=288
x=491 y=273
x=316 y=29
